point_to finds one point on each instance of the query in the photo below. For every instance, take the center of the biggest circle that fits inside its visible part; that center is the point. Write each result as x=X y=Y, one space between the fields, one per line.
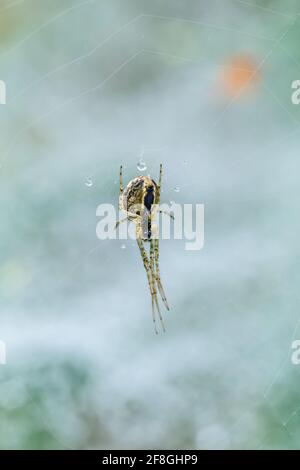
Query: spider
x=140 y=201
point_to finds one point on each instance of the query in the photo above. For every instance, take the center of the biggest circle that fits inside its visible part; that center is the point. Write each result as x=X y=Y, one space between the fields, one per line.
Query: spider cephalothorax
x=140 y=201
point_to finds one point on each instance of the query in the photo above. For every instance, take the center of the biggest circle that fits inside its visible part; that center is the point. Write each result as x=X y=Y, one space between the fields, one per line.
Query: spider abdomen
x=139 y=194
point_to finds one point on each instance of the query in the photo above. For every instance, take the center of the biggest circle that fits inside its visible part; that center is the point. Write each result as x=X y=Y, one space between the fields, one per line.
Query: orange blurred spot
x=239 y=75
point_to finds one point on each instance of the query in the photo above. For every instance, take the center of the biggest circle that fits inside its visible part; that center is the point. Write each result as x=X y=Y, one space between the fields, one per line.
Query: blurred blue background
x=204 y=88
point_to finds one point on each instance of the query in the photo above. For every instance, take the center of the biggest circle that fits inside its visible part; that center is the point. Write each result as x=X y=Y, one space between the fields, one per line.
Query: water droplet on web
x=89 y=182
x=176 y=189
x=141 y=166
x=123 y=246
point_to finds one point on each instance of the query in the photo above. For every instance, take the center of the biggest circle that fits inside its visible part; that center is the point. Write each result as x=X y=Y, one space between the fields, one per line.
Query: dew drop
x=176 y=189
x=89 y=182
x=123 y=246
x=141 y=166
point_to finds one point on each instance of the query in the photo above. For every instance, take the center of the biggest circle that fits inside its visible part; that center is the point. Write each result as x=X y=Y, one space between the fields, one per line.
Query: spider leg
x=160 y=176
x=156 y=246
x=147 y=268
x=152 y=250
x=121 y=179
x=120 y=222
x=167 y=213
x=151 y=278
x=157 y=274
x=121 y=186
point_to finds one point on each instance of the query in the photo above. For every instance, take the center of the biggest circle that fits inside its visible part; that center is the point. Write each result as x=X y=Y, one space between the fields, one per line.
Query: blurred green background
x=205 y=88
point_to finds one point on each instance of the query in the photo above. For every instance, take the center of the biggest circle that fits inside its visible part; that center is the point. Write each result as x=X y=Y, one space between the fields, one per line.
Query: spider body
x=140 y=201
x=137 y=201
